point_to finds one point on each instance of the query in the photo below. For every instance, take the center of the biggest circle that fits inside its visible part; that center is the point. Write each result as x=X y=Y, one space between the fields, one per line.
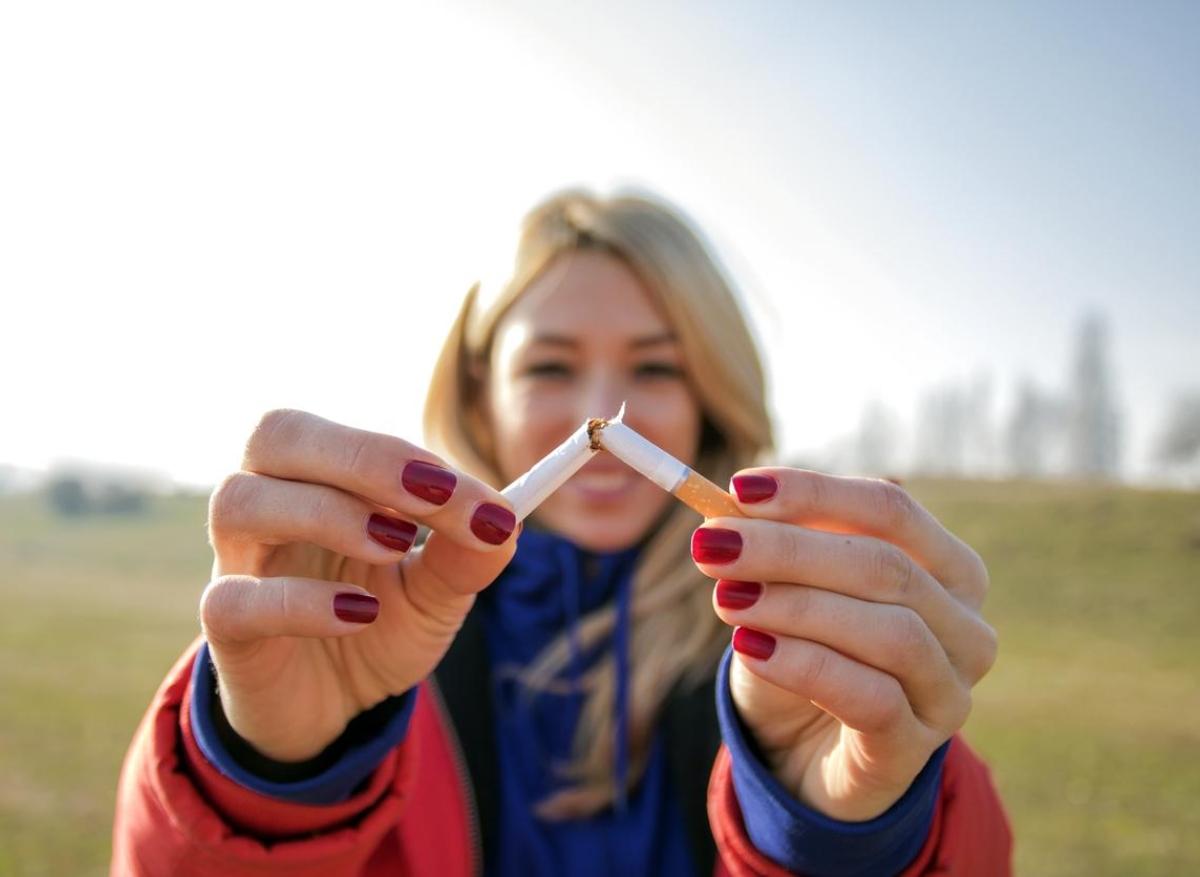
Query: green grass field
x=1090 y=720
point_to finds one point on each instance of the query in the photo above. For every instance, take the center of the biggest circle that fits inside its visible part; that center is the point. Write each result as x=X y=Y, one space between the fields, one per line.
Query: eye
x=548 y=369
x=658 y=369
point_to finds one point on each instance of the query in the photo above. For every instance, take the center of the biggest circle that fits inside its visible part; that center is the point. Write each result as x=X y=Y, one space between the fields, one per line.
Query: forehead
x=584 y=294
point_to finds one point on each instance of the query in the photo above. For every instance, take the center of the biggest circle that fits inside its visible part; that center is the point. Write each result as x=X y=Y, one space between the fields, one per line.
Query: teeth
x=613 y=481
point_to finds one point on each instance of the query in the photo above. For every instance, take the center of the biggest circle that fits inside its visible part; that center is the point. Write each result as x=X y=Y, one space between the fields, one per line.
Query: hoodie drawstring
x=572 y=574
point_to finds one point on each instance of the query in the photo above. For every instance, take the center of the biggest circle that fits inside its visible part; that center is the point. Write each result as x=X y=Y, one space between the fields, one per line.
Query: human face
x=584 y=337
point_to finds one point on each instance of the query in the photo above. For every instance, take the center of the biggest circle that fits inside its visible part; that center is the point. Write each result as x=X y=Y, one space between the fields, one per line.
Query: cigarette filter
x=672 y=475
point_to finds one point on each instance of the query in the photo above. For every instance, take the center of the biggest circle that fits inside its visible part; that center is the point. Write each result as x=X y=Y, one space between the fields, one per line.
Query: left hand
x=855 y=660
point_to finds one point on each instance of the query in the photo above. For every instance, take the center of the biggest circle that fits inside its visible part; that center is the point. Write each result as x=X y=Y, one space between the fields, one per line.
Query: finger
x=861 y=697
x=241 y=608
x=744 y=549
x=893 y=639
x=441 y=578
x=868 y=506
x=382 y=469
x=271 y=511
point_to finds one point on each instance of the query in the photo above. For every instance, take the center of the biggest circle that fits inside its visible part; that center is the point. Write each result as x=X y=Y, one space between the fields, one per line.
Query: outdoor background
x=966 y=236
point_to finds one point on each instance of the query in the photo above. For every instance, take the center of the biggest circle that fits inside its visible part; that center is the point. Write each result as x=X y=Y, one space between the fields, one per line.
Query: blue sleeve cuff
x=357 y=756
x=808 y=842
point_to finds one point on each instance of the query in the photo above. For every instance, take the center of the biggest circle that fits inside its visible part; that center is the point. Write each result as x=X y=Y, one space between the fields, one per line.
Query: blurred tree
x=979 y=433
x=1179 y=440
x=121 y=499
x=941 y=432
x=1094 y=426
x=1025 y=438
x=68 y=496
x=879 y=437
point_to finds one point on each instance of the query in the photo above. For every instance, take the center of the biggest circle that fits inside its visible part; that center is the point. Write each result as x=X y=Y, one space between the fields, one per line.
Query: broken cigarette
x=672 y=475
x=551 y=472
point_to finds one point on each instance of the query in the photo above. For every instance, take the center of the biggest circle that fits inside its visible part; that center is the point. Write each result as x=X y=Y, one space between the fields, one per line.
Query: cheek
x=526 y=427
x=672 y=423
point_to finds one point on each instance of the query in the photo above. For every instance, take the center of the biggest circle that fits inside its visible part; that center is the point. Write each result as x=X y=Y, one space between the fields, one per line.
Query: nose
x=601 y=395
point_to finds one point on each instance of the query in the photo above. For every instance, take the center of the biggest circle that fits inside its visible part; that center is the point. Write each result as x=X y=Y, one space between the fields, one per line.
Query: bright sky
x=208 y=211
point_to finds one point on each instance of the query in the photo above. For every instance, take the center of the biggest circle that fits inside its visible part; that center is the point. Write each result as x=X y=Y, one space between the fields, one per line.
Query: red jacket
x=176 y=815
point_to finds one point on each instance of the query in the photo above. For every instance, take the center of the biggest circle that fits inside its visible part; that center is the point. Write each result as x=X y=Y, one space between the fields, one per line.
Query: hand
x=859 y=634
x=315 y=611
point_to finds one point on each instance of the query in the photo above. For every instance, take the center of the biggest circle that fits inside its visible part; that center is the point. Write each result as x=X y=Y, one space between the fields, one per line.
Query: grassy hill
x=1090 y=720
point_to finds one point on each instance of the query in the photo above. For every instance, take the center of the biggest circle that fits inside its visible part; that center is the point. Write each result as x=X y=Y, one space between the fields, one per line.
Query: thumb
x=444 y=576
x=241 y=608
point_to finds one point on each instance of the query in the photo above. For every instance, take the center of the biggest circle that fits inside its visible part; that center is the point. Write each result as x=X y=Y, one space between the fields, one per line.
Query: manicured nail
x=716 y=545
x=358 y=608
x=754 y=488
x=432 y=483
x=738 y=595
x=392 y=533
x=753 y=643
x=492 y=523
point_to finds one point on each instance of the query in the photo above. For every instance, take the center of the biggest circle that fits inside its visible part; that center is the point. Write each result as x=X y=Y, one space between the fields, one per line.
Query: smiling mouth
x=604 y=483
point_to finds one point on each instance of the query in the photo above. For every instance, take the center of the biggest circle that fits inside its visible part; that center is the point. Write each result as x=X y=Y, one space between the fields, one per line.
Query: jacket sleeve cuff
x=331 y=777
x=801 y=839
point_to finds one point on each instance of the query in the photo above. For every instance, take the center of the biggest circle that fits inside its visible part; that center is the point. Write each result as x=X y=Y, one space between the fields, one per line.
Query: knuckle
x=805 y=492
x=357 y=456
x=895 y=572
x=286 y=608
x=912 y=638
x=988 y=647
x=957 y=709
x=225 y=505
x=803 y=600
x=814 y=667
x=218 y=604
x=888 y=705
x=266 y=433
x=896 y=507
x=791 y=551
x=324 y=514
x=981 y=576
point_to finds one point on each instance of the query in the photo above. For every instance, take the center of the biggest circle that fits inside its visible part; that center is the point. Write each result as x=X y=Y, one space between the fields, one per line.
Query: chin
x=601 y=533
x=595 y=537
x=604 y=526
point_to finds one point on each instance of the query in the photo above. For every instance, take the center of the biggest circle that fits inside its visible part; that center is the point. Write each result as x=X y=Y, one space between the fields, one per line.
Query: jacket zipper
x=464 y=778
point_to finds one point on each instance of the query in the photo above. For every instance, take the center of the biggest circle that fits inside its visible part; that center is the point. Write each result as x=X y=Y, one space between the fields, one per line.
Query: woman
x=541 y=701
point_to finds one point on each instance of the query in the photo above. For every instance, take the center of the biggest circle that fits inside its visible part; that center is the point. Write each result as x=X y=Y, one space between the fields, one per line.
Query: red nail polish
x=357 y=608
x=392 y=533
x=431 y=483
x=754 y=488
x=716 y=545
x=738 y=595
x=492 y=523
x=753 y=643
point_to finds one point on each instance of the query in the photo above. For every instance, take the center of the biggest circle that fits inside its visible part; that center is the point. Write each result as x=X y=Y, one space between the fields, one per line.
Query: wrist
x=329 y=777
x=845 y=794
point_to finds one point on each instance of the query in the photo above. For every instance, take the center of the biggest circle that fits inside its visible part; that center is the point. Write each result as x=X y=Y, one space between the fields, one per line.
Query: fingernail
x=753 y=643
x=392 y=533
x=738 y=595
x=358 y=608
x=431 y=483
x=754 y=488
x=716 y=545
x=492 y=523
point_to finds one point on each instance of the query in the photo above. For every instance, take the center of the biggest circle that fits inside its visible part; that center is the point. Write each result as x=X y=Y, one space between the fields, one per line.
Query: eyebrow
x=636 y=343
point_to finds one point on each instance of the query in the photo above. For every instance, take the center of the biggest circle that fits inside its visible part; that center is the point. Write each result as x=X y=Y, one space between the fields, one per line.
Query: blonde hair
x=675 y=637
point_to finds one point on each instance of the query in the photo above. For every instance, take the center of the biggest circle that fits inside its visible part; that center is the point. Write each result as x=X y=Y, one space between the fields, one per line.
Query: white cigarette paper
x=550 y=473
x=689 y=487
x=642 y=454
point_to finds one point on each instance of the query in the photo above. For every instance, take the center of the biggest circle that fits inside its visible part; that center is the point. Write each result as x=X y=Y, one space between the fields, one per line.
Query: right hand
x=290 y=535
